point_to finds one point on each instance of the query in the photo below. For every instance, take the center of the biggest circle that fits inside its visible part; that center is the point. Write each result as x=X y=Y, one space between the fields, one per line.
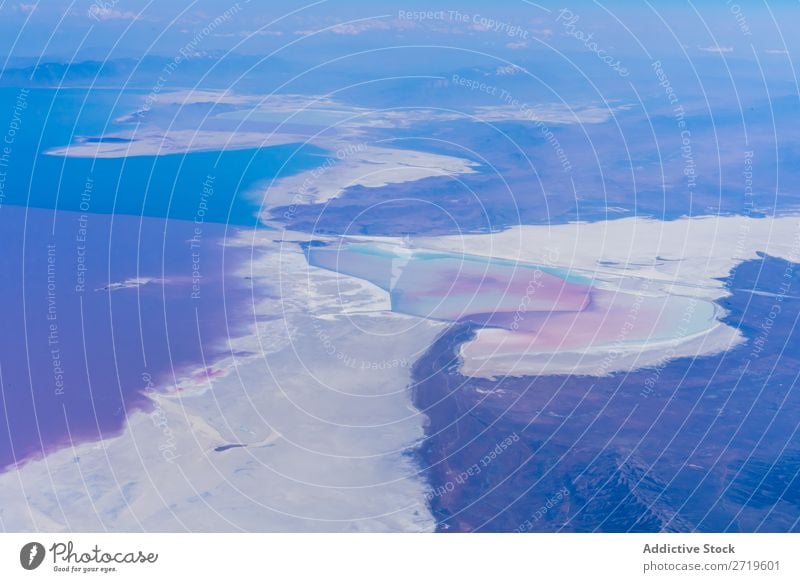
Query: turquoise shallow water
x=169 y=186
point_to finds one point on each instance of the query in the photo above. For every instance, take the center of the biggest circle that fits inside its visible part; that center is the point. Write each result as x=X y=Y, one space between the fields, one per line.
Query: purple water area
x=696 y=444
x=82 y=339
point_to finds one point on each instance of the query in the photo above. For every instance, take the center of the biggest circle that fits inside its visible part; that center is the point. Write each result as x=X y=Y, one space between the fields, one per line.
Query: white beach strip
x=321 y=404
